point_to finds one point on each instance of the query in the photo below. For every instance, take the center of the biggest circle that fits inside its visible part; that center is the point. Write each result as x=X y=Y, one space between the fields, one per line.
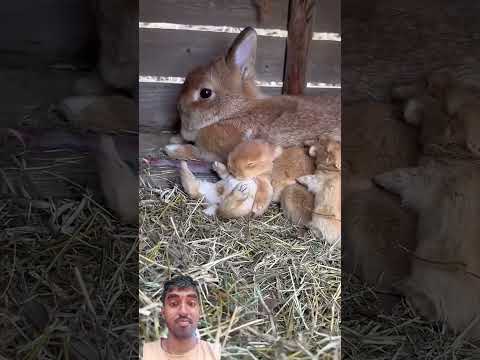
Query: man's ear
x=242 y=52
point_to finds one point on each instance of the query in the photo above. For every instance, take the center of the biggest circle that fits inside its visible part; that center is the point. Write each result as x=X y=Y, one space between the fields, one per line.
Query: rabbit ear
x=243 y=52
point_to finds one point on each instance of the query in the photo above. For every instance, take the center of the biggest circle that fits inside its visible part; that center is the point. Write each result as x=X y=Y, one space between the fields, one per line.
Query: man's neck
x=176 y=346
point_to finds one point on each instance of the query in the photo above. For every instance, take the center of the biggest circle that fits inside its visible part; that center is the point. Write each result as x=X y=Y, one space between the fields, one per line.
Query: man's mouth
x=184 y=322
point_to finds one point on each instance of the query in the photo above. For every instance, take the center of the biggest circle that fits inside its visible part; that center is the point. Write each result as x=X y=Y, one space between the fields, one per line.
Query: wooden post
x=300 y=29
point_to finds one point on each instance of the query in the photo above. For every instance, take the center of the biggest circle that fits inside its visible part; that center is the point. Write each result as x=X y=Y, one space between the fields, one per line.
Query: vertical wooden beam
x=300 y=29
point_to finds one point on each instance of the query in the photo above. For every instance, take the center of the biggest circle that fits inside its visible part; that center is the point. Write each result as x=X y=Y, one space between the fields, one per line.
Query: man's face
x=181 y=312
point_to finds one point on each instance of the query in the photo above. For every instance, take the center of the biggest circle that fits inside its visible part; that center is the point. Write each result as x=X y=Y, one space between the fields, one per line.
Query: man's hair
x=178 y=282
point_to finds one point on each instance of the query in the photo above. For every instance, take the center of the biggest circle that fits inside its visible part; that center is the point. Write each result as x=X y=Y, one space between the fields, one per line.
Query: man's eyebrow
x=172 y=296
x=194 y=296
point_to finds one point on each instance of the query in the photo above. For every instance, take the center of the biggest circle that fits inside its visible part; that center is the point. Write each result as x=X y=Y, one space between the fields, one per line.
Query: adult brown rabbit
x=220 y=104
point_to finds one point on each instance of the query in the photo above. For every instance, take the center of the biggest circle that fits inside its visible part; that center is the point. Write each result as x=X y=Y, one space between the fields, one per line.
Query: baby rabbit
x=244 y=187
x=462 y=103
x=291 y=164
x=446 y=111
x=326 y=185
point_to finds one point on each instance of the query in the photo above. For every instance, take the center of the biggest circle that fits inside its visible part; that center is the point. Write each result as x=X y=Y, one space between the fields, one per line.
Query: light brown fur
x=377 y=236
x=297 y=204
x=427 y=113
x=245 y=186
x=445 y=280
x=293 y=163
x=252 y=158
x=325 y=184
x=463 y=105
x=375 y=140
x=296 y=200
x=100 y=113
x=119 y=183
x=447 y=112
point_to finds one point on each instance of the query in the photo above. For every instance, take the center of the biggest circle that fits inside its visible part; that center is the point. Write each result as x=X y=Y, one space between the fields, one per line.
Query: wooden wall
x=385 y=43
x=46 y=31
x=172 y=53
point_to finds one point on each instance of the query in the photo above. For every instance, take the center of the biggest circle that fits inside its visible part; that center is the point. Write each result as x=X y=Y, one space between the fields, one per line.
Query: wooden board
x=239 y=13
x=46 y=30
x=325 y=62
x=384 y=44
x=158 y=105
x=327 y=16
x=28 y=95
x=176 y=52
x=322 y=91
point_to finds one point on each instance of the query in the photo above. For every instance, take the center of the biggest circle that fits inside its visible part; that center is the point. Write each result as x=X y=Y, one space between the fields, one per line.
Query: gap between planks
x=316 y=36
x=275 y=84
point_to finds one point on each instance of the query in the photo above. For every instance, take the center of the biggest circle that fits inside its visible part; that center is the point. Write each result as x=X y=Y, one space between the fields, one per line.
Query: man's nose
x=183 y=310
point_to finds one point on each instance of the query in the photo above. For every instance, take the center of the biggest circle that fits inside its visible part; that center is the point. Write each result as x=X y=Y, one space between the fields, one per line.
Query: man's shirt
x=202 y=351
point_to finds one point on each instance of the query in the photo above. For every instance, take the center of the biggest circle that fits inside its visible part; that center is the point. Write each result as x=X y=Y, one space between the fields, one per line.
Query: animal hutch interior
x=176 y=36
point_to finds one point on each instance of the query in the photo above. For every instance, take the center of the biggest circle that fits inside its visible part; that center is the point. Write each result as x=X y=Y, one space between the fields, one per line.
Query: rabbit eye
x=205 y=93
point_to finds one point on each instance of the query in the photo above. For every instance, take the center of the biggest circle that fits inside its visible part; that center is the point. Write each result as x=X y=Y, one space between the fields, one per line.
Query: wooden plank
x=176 y=52
x=48 y=30
x=383 y=44
x=322 y=91
x=328 y=16
x=158 y=105
x=152 y=144
x=28 y=95
x=239 y=13
x=300 y=28
x=325 y=62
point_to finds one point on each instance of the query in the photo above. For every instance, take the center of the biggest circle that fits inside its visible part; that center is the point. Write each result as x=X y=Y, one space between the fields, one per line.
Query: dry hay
x=403 y=334
x=69 y=269
x=269 y=290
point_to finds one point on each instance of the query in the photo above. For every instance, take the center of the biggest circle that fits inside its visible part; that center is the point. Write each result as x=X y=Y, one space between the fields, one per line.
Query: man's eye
x=173 y=303
x=192 y=303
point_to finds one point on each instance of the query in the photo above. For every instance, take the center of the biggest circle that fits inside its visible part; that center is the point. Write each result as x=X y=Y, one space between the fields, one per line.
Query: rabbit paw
x=182 y=151
x=218 y=167
x=176 y=139
x=259 y=208
x=210 y=211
